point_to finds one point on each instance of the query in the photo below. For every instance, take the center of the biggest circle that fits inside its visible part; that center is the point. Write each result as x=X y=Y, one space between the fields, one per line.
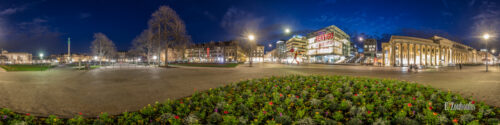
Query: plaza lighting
x=493 y=51
x=41 y=55
x=251 y=37
x=95 y=57
x=270 y=45
x=287 y=30
x=155 y=57
x=360 y=38
x=486 y=37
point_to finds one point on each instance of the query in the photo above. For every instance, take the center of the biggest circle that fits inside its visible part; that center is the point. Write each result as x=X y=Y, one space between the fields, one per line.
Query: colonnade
x=425 y=54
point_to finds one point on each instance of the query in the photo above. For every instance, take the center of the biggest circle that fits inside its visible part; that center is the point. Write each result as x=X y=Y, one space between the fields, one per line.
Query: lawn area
x=302 y=100
x=26 y=67
x=207 y=64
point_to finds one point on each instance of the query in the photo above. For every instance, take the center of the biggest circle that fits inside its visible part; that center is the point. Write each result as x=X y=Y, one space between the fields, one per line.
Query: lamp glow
x=287 y=30
x=486 y=36
x=251 y=37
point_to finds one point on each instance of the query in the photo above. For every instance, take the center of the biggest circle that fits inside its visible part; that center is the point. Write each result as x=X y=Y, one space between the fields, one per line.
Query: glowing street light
x=251 y=37
x=486 y=37
x=360 y=39
x=287 y=30
x=270 y=45
x=155 y=57
x=41 y=55
x=95 y=57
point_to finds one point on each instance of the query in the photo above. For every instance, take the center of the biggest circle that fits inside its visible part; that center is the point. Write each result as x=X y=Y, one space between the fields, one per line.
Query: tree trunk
x=166 y=56
x=149 y=55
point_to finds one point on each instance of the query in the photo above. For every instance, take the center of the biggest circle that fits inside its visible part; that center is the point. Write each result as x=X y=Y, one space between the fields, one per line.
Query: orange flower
x=270 y=103
x=455 y=120
x=409 y=105
x=435 y=113
x=281 y=95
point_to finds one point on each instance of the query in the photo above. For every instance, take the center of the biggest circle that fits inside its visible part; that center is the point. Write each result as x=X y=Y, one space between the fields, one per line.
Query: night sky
x=44 y=26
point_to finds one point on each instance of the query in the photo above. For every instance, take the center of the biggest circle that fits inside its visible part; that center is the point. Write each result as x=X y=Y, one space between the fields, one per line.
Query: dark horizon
x=27 y=26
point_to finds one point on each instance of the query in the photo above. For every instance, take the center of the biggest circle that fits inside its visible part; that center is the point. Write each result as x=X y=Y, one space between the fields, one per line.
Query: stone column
x=415 y=54
x=422 y=55
x=400 y=54
x=407 y=54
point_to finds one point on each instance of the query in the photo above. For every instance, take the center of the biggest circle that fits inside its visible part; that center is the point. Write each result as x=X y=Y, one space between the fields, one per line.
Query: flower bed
x=297 y=100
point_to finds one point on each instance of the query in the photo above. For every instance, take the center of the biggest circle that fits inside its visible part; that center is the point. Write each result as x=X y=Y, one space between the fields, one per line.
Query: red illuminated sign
x=323 y=37
x=208 y=52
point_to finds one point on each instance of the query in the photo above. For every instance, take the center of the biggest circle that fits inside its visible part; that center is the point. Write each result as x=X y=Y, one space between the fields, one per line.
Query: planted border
x=297 y=100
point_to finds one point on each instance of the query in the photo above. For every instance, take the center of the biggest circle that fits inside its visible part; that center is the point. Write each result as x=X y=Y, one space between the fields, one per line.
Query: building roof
x=330 y=29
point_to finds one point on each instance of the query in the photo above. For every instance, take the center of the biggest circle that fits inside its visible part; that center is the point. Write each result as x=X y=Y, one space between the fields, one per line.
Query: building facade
x=296 y=48
x=257 y=55
x=15 y=58
x=281 y=51
x=370 y=50
x=435 y=51
x=63 y=58
x=215 y=52
x=328 y=45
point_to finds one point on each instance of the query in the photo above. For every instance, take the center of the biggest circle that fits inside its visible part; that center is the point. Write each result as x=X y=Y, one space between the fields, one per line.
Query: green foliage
x=26 y=67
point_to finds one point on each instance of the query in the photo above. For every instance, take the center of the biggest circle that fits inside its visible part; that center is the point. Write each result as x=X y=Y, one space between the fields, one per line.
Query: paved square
x=123 y=88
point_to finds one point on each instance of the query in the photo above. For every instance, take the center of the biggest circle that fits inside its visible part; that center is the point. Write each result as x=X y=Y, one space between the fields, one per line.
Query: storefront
x=328 y=45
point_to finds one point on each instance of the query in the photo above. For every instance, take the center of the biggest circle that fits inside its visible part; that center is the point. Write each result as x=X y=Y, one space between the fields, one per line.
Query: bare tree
x=102 y=46
x=168 y=29
x=144 y=45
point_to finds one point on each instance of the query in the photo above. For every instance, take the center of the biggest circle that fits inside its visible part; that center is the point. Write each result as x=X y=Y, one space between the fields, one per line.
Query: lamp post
x=41 y=59
x=251 y=38
x=486 y=37
x=287 y=30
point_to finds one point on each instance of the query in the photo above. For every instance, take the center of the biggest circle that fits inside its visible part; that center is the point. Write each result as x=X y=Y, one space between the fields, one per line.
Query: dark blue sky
x=43 y=26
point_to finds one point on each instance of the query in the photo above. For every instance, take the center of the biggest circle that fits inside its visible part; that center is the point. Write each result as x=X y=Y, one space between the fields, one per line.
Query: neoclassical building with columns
x=435 y=51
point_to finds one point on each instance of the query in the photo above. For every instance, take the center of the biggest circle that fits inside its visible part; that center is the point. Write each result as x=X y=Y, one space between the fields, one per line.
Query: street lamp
x=41 y=55
x=360 y=38
x=287 y=30
x=486 y=37
x=270 y=45
x=251 y=37
x=41 y=58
